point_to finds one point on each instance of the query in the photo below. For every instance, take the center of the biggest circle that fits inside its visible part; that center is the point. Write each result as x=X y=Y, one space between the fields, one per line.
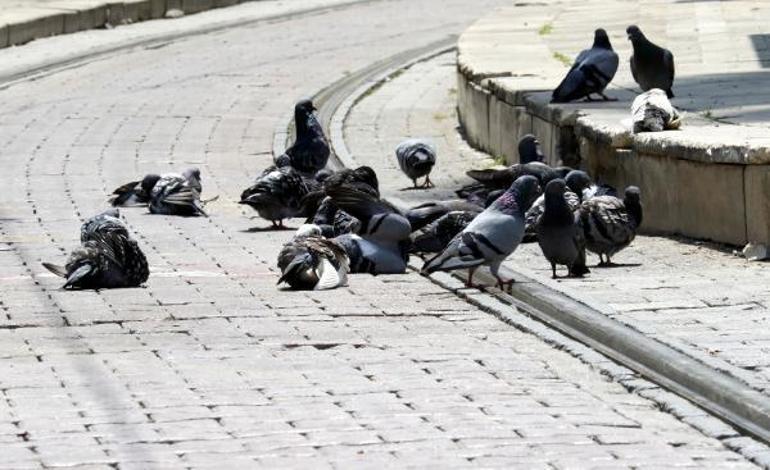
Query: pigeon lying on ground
x=381 y=244
x=435 y=236
x=502 y=178
x=176 y=194
x=277 y=194
x=310 y=151
x=592 y=71
x=421 y=215
x=311 y=262
x=652 y=112
x=492 y=236
x=135 y=192
x=332 y=221
x=106 y=258
x=610 y=224
x=651 y=66
x=529 y=149
x=559 y=233
x=416 y=158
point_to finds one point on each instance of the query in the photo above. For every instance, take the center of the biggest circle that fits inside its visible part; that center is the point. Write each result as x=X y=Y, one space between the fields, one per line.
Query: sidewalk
x=693 y=296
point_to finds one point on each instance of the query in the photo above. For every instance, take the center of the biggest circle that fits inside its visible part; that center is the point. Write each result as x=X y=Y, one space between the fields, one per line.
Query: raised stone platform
x=709 y=179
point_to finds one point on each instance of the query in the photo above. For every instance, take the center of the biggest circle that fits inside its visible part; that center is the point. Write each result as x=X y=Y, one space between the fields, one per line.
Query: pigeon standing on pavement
x=416 y=158
x=529 y=149
x=610 y=224
x=277 y=194
x=559 y=233
x=135 y=192
x=651 y=66
x=492 y=236
x=176 y=194
x=581 y=184
x=592 y=71
x=106 y=258
x=310 y=151
x=311 y=262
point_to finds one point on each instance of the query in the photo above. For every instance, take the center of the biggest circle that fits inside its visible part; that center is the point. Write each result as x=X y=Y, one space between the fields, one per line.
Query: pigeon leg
x=605 y=97
x=469 y=282
x=553 y=271
x=428 y=183
x=414 y=182
x=588 y=98
x=505 y=286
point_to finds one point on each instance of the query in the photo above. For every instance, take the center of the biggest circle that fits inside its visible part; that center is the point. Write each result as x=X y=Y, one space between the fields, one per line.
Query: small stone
x=174 y=13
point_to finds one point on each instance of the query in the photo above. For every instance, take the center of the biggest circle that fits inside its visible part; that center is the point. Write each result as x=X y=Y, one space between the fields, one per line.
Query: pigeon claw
x=428 y=183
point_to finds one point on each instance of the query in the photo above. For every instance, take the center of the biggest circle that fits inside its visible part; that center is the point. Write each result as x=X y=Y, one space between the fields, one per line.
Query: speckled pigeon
x=651 y=66
x=175 y=194
x=106 y=258
x=559 y=233
x=492 y=236
x=435 y=236
x=592 y=71
x=135 y=192
x=416 y=158
x=312 y=262
x=610 y=224
x=277 y=194
x=651 y=111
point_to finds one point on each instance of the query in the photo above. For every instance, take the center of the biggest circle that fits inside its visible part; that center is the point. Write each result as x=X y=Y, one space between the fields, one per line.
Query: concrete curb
x=581 y=329
x=21 y=26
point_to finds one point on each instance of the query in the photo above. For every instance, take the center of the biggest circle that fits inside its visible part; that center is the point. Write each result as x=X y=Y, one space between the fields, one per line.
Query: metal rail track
x=715 y=391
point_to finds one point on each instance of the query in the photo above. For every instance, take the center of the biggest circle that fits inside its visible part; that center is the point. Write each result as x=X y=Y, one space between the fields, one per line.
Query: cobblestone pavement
x=210 y=365
x=696 y=297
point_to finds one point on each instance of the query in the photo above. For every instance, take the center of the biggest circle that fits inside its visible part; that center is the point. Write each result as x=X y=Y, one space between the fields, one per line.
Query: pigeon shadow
x=618 y=265
x=267 y=229
x=413 y=188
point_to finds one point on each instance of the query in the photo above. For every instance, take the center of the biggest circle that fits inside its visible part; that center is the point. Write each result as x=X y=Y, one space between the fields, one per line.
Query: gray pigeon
x=559 y=233
x=416 y=158
x=529 y=149
x=310 y=151
x=277 y=194
x=106 y=258
x=436 y=236
x=421 y=215
x=592 y=71
x=312 y=262
x=610 y=224
x=135 y=192
x=492 y=236
x=502 y=178
x=175 y=194
x=651 y=111
x=651 y=66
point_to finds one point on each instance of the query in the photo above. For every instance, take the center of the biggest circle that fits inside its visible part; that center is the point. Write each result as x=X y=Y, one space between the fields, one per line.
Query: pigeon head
x=526 y=190
x=305 y=105
x=577 y=181
x=148 y=182
x=632 y=199
x=367 y=175
x=555 y=188
x=282 y=161
x=601 y=40
x=634 y=33
x=529 y=149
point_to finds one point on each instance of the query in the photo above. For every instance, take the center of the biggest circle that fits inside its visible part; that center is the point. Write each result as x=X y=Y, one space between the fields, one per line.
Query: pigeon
x=651 y=66
x=310 y=151
x=651 y=111
x=491 y=236
x=363 y=178
x=176 y=194
x=416 y=158
x=106 y=258
x=135 y=192
x=559 y=233
x=592 y=71
x=581 y=184
x=535 y=213
x=312 y=262
x=504 y=177
x=381 y=244
x=529 y=149
x=277 y=194
x=333 y=221
x=423 y=214
x=610 y=224
x=436 y=236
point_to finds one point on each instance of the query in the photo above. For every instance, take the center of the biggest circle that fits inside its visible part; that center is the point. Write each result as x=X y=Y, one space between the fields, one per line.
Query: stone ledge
x=21 y=25
x=505 y=74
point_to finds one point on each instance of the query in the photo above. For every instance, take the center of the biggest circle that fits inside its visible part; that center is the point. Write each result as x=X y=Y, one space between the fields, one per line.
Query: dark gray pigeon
x=503 y=178
x=277 y=194
x=529 y=149
x=610 y=224
x=435 y=236
x=333 y=221
x=421 y=215
x=592 y=71
x=310 y=151
x=651 y=66
x=416 y=158
x=581 y=184
x=135 y=192
x=559 y=233
x=106 y=258
x=176 y=194
x=313 y=263
x=491 y=236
